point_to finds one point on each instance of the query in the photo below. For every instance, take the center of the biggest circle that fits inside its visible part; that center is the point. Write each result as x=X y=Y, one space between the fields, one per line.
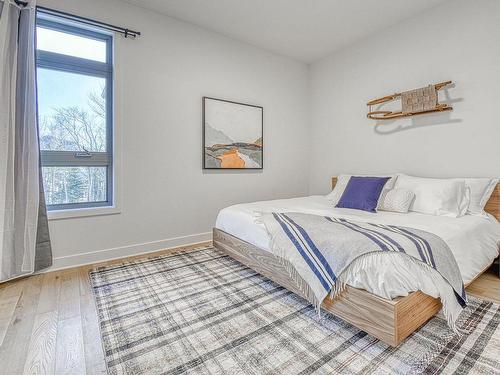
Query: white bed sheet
x=473 y=240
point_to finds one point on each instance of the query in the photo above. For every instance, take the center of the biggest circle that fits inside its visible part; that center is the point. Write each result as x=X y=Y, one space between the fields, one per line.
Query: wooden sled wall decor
x=413 y=102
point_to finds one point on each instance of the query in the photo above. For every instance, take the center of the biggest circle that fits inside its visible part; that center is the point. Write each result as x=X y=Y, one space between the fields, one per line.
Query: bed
x=376 y=306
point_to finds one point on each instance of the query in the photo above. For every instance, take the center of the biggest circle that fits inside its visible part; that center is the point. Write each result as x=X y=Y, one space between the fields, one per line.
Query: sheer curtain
x=24 y=237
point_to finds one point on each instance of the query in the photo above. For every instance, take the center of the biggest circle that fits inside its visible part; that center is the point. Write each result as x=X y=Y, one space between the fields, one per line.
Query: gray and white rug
x=201 y=312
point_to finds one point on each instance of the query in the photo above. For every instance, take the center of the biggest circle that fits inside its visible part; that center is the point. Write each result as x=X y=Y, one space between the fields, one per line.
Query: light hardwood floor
x=48 y=323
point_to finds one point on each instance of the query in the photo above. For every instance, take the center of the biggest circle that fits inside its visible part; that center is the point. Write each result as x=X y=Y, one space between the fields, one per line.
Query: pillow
x=362 y=193
x=480 y=192
x=343 y=180
x=433 y=196
x=396 y=200
x=465 y=202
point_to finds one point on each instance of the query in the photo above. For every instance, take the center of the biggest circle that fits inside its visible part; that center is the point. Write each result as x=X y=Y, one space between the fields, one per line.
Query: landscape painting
x=232 y=135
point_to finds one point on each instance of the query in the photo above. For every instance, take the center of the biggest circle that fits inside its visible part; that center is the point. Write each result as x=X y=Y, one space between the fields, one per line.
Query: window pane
x=72 y=111
x=70 y=44
x=65 y=185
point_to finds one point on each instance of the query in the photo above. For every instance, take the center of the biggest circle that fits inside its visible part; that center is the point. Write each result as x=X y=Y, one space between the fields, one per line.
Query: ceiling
x=306 y=30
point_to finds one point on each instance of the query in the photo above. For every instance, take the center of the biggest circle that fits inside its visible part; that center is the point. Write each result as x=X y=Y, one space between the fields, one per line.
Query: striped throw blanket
x=320 y=249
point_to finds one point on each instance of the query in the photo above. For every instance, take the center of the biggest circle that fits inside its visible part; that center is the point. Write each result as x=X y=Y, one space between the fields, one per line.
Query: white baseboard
x=81 y=259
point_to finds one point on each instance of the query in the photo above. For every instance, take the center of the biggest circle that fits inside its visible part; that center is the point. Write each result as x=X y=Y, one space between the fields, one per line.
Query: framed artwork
x=232 y=135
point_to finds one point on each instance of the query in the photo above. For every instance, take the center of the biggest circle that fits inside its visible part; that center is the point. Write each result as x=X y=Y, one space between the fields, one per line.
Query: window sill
x=82 y=212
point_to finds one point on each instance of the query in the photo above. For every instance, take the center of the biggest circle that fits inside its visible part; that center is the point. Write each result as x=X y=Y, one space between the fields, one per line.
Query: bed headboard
x=492 y=207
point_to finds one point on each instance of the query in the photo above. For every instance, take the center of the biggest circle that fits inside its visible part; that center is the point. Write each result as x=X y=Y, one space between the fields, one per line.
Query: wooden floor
x=48 y=323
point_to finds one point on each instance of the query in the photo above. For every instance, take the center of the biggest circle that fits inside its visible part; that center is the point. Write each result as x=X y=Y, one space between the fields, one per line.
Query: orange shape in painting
x=231 y=159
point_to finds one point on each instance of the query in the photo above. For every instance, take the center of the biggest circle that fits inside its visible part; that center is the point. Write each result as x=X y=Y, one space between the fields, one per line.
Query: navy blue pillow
x=362 y=193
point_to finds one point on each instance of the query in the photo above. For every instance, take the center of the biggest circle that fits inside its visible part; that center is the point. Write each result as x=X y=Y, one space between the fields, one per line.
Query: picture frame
x=233 y=134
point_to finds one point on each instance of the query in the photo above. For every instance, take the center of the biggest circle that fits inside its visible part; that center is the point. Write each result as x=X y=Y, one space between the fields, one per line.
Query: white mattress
x=473 y=240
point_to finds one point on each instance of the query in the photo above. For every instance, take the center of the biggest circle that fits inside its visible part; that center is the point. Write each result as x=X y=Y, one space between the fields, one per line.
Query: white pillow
x=480 y=192
x=465 y=202
x=396 y=200
x=433 y=196
x=343 y=180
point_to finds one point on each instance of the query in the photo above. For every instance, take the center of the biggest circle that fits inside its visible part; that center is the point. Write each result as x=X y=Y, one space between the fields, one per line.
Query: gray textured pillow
x=396 y=200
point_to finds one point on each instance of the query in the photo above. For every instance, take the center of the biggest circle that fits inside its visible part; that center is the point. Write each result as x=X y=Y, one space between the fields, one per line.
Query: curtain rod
x=87 y=21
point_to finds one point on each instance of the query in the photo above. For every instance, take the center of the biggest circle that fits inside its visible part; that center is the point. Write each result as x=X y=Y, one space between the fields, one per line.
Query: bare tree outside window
x=76 y=129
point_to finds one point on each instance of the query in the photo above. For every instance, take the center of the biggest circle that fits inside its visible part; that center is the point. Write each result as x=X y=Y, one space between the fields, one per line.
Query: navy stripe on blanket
x=417 y=244
x=382 y=245
x=302 y=252
x=377 y=233
x=422 y=245
x=310 y=249
x=425 y=252
x=315 y=250
x=427 y=246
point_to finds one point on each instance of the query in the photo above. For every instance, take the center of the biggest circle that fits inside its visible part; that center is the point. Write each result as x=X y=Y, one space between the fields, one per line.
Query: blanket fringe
x=450 y=307
x=303 y=288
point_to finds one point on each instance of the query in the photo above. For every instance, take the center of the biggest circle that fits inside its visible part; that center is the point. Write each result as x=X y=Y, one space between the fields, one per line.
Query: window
x=74 y=83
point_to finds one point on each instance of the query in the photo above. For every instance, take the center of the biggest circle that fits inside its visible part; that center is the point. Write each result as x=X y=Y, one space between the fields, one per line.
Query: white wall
x=315 y=121
x=160 y=80
x=459 y=41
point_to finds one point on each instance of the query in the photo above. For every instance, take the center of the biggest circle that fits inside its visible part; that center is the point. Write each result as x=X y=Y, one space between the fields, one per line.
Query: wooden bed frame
x=389 y=320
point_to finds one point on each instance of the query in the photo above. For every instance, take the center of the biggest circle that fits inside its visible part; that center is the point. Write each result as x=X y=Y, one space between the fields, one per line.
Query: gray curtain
x=24 y=236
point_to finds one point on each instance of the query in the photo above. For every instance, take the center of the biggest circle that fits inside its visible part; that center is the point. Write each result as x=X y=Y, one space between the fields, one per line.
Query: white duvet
x=473 y=240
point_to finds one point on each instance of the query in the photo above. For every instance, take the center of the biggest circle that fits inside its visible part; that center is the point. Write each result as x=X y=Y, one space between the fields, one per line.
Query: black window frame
x=59 y=62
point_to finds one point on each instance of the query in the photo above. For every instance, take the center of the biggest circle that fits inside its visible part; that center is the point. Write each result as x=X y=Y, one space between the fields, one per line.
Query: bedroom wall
x=166 y=198
x=459 y=41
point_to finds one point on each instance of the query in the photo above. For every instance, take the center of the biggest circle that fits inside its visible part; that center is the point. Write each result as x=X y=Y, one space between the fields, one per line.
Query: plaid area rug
x=201 y=312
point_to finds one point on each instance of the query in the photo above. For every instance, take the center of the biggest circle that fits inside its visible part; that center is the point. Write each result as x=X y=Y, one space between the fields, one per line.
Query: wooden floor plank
x=70 y=358
x=70 y=353
x=10 y=293
x=69 y=298
x=50 y=292
x=84 y=282
x=42 y=349
x=13 y=287
x=7 y=309
x=94 y=355
x=486 y=286
x=14 y=350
